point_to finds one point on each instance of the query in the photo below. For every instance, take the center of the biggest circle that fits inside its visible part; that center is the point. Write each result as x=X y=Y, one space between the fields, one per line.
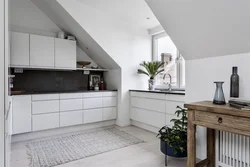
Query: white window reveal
x=165 y=50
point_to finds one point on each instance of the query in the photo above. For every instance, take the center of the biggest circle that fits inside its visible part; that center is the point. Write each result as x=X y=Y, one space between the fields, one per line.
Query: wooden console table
x=214 y=117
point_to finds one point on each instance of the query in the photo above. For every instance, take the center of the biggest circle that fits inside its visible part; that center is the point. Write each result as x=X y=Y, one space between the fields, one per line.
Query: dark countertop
x=58 y=92
x=174 y=92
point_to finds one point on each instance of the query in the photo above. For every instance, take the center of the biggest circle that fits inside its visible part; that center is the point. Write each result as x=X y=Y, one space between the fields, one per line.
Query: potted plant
x=152 y=69
x=174 y=140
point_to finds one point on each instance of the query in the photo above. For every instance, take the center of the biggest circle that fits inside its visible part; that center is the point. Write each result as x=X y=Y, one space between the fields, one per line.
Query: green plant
x=152 y=69
x=176 y=136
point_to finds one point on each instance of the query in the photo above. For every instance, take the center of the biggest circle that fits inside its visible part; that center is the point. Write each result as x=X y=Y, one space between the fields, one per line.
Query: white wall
x=2 y=76
x=26 y=17
x=127 y=44
x=200 y=75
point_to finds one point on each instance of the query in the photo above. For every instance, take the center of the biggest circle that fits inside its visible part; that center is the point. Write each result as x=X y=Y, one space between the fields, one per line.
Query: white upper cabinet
x=42 y=51
x=19 y=49
x=65 y=53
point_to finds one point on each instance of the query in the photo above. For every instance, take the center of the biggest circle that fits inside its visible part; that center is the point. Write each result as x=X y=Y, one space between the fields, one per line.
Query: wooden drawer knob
x=220 y=120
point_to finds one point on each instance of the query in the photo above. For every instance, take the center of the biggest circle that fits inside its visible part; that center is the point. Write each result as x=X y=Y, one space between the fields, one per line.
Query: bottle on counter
x=234 y=83
x=102 y=85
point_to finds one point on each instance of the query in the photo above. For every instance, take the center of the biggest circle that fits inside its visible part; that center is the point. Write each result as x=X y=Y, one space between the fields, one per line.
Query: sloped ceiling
x=205 y=28
x=68 y=24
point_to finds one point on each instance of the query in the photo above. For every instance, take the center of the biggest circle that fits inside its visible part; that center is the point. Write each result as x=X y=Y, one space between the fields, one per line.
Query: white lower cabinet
x=42 y=107
x=71 y=118
x=109 y=113
x=89 y=103
x=42 y=112
x=156 y=119
x=70 y=104
x=21 y=106
x=108 y=101
x=45 y=121
x=92 y=115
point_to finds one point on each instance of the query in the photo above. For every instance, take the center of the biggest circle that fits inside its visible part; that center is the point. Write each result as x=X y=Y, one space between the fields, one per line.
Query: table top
x=208 y=106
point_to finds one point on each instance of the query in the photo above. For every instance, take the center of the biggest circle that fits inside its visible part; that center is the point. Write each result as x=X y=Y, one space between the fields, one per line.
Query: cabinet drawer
x=71 y=96
x=152 y=118
x=92 y=103
x=42 y=107
x=109 y=101
x=45 y=121
x=148 y=95
x=171 y=106
x=94 y=94
x=227 y=122
x=148 y=104
x=93 y=115
x=109 y=94
x=71 y=104
x=109 y=113
x=45 y=97
x=71 y=118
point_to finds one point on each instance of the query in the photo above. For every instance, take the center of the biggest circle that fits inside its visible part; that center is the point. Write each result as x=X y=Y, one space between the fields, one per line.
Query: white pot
x=151 y=84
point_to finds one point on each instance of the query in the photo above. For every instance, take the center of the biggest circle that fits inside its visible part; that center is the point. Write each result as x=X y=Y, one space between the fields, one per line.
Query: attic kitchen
x=49 y=85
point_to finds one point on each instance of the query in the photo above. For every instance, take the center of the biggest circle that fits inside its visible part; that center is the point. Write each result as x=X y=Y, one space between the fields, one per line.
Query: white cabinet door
x=92 y=103
x=71 y=96
x=109 y=101
x=109 y=113
x=152 y=118
x=42 y=52
x=45 y=97
x=71 y=118
x=149 y=104
x=92 y=94
x=70 y=104
x=21 y=113
x=42 y=107
x=171 y=106
x=108 y=94
x=93 y=115
x=19 y=49
x=65 y=53
x=45 y=121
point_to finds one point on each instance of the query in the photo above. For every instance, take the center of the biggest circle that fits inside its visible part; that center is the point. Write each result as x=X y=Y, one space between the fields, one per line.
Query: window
x=165 y=50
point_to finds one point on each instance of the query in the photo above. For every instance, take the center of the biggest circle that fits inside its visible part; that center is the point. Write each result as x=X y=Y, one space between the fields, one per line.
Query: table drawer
x=227 y=122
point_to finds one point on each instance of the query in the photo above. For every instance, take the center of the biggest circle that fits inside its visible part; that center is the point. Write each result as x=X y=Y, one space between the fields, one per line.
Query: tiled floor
x=141 y=155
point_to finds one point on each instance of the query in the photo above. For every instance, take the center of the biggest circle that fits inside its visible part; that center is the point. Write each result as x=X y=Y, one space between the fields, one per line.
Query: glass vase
x=234 y=84
x=219 y=94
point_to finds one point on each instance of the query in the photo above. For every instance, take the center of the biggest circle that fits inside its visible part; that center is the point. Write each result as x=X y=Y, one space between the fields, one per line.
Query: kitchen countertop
x=58 y=92
x=174 y=92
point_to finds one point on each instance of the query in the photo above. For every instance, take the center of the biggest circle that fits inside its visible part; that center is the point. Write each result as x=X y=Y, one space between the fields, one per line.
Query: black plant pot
x=167 y=150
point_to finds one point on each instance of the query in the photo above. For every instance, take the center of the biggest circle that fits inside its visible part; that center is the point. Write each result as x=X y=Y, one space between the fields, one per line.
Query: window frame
x=155 y=58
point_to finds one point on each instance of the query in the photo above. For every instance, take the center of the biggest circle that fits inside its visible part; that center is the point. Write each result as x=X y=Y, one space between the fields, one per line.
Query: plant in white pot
x=152 y=69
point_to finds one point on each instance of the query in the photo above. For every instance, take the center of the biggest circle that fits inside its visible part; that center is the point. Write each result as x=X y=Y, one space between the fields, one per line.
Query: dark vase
x=234 y=84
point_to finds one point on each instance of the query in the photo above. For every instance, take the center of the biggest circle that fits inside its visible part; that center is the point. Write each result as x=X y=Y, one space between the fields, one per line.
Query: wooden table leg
x=211 y=147
x=191 y=140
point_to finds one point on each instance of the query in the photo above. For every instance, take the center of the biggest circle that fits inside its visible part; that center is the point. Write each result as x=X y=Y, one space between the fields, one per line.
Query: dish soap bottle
x=234 y=84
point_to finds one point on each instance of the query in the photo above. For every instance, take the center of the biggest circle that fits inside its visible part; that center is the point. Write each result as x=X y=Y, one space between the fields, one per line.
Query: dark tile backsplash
x=40 y=80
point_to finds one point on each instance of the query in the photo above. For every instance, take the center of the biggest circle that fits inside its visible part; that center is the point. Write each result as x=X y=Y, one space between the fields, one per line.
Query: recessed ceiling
x=134 y=12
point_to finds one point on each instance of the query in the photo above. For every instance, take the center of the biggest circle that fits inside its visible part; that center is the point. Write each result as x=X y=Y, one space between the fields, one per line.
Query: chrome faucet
x=170 y=82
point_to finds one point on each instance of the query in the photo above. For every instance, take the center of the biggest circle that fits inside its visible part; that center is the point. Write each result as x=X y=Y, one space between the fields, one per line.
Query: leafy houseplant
x=152 y=69
x=174 y=140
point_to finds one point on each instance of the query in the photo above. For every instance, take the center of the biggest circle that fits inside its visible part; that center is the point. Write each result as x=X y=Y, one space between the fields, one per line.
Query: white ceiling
x=205 y=28
x=134 y=12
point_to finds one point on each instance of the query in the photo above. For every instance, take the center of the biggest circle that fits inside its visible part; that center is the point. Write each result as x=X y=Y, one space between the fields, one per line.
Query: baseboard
x=145 y=126
x=58 y=131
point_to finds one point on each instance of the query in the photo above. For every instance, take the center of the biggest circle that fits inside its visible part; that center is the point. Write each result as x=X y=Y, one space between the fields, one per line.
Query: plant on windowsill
x=152 y=69
x=174 y=140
